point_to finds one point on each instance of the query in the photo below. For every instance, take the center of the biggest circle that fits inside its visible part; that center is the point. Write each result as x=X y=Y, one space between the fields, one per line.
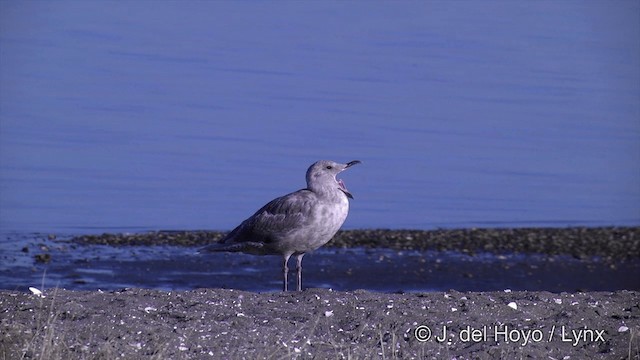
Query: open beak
x=341 y=184
x=351 y=163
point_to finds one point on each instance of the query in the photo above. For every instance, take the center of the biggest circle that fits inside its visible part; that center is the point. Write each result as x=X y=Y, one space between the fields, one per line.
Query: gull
x=296 y=223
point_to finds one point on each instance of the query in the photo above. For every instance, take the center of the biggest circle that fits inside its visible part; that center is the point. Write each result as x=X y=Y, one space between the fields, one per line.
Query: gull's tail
x=248 y=247
x=215 y=247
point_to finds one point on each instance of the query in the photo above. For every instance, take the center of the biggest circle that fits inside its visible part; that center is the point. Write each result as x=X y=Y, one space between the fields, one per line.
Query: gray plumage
x=297 y=223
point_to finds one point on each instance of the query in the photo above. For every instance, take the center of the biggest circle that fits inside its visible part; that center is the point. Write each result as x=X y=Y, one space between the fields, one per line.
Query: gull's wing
x=275 y=219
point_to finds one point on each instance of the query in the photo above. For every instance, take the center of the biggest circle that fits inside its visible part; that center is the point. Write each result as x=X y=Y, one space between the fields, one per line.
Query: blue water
x=171 y=115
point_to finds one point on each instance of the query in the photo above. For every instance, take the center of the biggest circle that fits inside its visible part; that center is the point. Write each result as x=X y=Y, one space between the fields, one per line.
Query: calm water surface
x=171 y=115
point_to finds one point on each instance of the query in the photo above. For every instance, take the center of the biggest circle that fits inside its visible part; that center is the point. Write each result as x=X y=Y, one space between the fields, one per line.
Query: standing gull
x=297 y=223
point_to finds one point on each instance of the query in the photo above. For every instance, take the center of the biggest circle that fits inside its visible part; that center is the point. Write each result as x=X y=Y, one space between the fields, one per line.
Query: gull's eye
x=329 y=167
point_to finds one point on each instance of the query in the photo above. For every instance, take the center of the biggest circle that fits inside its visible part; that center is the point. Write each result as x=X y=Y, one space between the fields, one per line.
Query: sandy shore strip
x=318 y=323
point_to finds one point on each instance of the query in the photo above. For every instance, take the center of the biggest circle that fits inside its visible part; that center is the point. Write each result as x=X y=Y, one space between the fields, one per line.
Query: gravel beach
x=321 y=323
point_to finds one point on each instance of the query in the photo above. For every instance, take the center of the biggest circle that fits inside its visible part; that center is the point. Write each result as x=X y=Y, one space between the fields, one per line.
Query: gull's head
x=321 y=176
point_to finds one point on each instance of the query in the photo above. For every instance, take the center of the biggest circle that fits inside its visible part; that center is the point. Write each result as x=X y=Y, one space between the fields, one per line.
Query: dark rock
x=42 y=258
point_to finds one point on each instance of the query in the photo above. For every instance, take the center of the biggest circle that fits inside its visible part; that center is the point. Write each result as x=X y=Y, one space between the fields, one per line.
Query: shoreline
x=609 y=243
x=322 y=323
x=567 y=259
